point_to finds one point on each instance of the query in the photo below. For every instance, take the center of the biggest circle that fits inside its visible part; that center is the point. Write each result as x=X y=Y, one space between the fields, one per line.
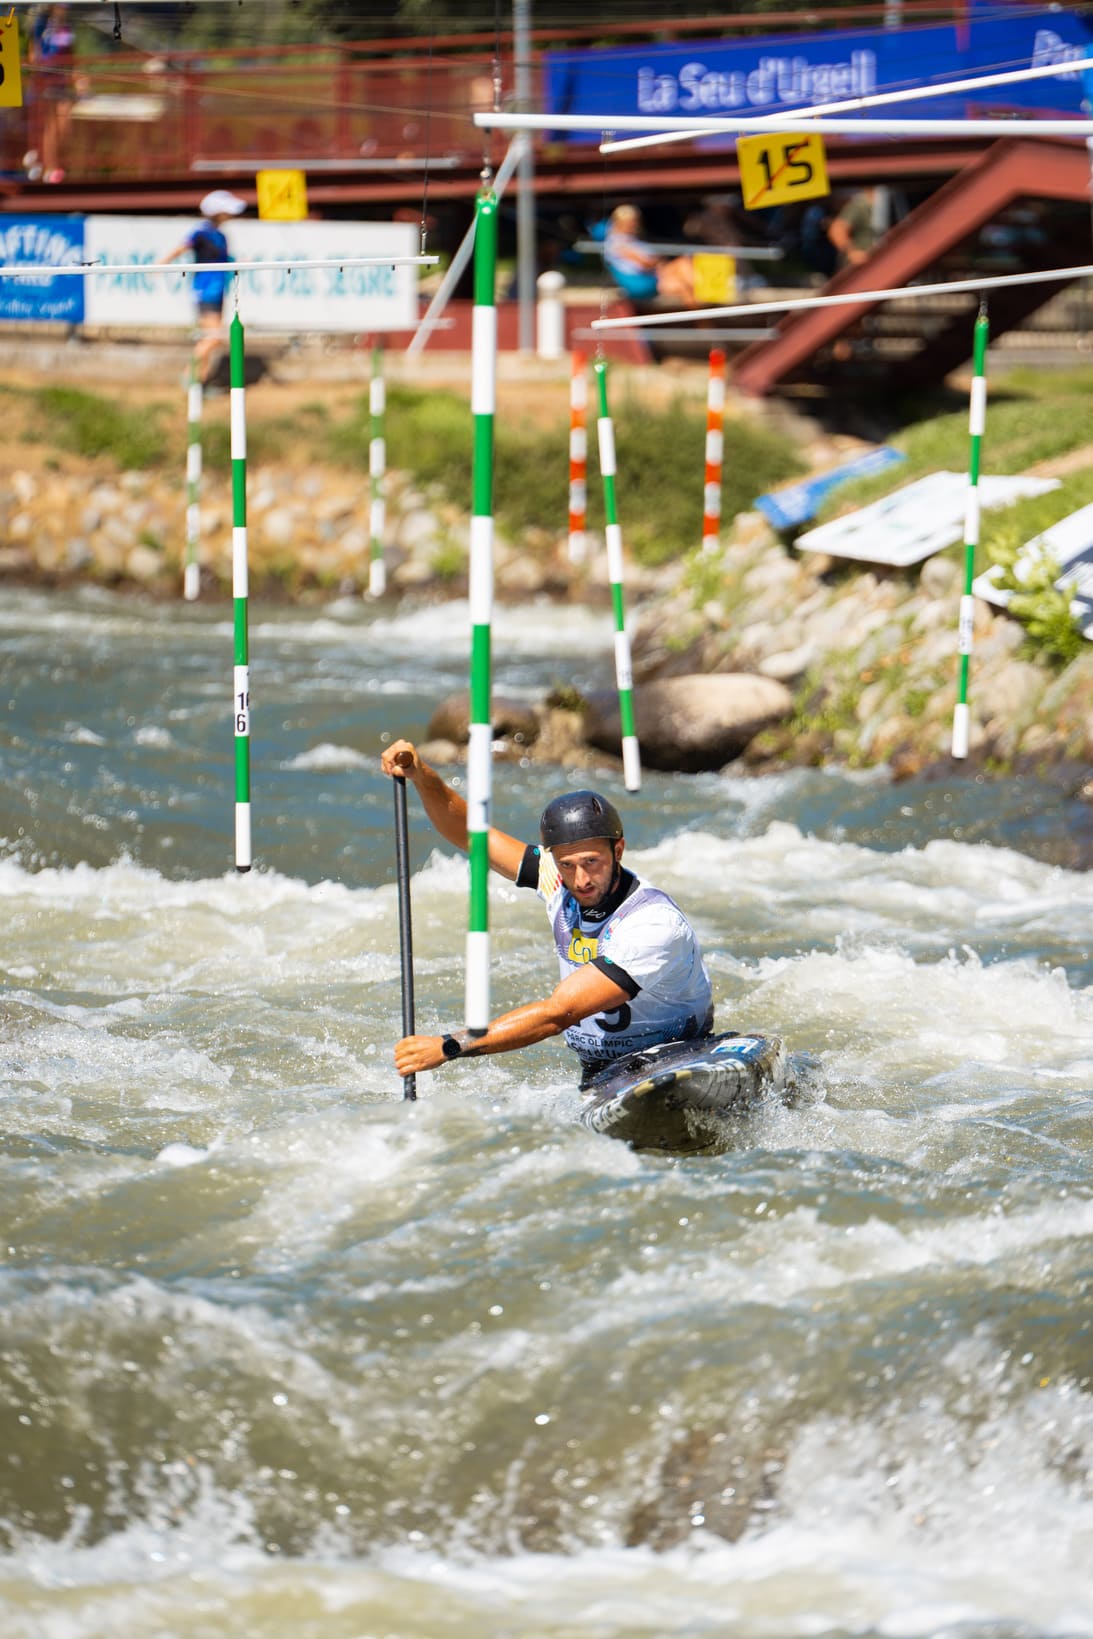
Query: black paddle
x=406 y=944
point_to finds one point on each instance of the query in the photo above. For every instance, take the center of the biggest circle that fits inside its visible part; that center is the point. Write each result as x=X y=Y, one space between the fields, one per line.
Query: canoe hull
x=684 y=1095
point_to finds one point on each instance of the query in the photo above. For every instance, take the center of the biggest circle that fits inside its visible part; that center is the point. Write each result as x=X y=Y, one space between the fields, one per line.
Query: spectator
x=853 y=230
x=208 y=244
x=817 y=248
x=720 y=221
x=52 y=53
x=635 y=268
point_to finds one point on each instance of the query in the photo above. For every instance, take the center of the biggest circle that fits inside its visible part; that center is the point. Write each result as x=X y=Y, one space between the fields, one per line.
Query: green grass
x=1009 y=526
x=427 y=434
x=270 y=439
x=1032 y=416
x=153 y=434
x=660 y=464
x=1045 y=612
x=1046 y=383
x=661 y=457
x=87 y=424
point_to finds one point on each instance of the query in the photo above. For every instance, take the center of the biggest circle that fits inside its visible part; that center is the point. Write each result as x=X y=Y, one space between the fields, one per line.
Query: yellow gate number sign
x=282 y=196
x=779 y=168
x=715 y=278
x=11 y=79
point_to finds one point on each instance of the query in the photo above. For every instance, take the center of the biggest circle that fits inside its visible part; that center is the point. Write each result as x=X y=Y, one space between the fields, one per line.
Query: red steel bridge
x=372 y=123
x=385 y=128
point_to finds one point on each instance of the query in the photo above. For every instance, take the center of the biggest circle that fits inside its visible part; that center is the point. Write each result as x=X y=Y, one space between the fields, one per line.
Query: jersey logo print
x=582 y=949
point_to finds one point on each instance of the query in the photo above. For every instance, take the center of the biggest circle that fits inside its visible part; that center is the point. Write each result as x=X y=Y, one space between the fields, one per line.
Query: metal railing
x=380 y=104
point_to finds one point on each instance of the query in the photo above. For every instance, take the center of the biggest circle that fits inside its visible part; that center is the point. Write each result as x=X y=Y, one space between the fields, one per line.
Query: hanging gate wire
x=423 y=235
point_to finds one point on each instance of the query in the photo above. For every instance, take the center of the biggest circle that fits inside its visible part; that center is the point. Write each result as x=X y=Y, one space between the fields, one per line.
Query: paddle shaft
x=405 y=934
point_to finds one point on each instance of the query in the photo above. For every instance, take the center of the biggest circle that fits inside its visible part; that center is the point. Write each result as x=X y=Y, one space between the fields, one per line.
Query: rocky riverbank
x=870 y=658
x=757 y=652
x=307 y=532
x=794 y=660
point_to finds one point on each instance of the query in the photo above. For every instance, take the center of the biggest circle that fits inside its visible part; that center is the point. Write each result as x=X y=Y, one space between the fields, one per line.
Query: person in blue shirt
x=51 y=50
x=208 y=244
x=636 y=269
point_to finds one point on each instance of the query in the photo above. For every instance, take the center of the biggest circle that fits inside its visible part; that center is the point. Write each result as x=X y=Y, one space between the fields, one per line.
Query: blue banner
x=781 y=72
x=37 y=241
x=797 y=503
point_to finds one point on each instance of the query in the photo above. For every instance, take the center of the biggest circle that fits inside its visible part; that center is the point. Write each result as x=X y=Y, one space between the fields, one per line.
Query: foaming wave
x=944 y=893
x=125 y=930
x=153 y=734
x=856 y=1546
x=128 y=885
x=442 y=629
x=761 y=800
x=893 y=1014
x=782 y=1259
x=107 y=614
x=532 y=629
x=900 y=1507
x=329 y=758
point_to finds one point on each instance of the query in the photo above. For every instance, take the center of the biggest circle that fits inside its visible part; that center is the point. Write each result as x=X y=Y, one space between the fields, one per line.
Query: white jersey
x=647 y=945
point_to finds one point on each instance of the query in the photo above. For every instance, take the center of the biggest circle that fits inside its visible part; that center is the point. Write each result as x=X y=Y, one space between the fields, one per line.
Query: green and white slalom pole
x=977 y=417
x=377 y=469
x=191 y=575
x=605 y=430
x=240 y=592
x=480 y=746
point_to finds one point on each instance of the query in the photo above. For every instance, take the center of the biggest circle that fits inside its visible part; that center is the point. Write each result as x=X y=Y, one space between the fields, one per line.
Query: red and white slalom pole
x=715 y=450
x=578 y=459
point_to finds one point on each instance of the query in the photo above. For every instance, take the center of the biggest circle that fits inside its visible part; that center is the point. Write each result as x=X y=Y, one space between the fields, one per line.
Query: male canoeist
x=632 y=973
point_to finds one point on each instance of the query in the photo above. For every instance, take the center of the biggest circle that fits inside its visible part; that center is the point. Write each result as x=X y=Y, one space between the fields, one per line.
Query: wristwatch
x=450 y=1047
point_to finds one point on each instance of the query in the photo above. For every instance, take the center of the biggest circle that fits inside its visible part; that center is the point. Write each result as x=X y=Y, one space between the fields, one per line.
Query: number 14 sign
x=781 y=167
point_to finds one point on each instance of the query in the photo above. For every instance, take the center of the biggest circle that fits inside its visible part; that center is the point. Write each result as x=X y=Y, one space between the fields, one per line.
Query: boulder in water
x=510 y=720
x=691 y=724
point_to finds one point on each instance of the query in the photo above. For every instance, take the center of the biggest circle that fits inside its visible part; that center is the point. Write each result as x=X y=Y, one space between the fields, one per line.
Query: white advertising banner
x=1069 y=544
x=306 y=299
x=916 y=521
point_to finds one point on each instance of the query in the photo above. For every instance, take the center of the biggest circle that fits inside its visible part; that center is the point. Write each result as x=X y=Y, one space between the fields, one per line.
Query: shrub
x=88 y=424
x=1042 y=609
x=660 y=465
x=1029 y=419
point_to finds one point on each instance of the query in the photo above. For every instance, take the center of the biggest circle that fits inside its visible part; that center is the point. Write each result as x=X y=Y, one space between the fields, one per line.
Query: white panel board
x=1069 y=543
x=916 y=521
x=307 y=299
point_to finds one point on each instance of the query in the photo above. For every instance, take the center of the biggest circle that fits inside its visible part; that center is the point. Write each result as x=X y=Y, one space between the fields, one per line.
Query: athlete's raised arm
x=446 y=809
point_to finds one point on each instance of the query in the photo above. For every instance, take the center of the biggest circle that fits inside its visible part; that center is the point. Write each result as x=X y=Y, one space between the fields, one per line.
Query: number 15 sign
x=781 y=167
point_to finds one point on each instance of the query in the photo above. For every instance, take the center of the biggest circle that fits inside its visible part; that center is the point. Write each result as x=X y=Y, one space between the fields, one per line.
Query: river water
x=283 y=1356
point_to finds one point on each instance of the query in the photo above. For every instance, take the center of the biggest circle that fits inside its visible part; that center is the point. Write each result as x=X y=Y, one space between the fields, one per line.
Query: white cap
x=222 y=203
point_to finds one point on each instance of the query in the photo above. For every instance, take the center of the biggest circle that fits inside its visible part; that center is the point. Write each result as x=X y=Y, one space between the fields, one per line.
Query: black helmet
x=579 y=816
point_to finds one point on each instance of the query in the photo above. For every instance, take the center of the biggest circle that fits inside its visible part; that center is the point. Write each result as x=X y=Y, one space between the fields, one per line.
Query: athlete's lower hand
x=414 y=1053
